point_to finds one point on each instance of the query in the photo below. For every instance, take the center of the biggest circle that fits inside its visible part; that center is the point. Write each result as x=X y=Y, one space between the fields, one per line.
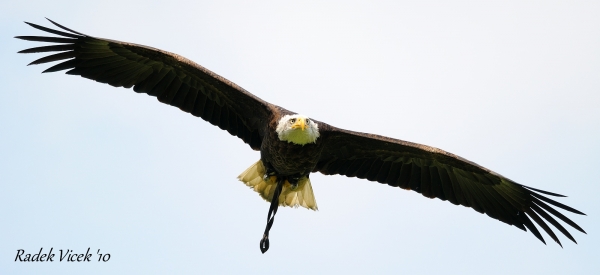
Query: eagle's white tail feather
x=302 y=195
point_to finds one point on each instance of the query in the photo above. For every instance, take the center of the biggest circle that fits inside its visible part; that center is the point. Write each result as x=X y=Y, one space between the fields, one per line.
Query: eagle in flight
x=291 y=145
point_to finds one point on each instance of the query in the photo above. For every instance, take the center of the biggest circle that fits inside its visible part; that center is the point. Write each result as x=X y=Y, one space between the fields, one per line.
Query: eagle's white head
x=297 y=129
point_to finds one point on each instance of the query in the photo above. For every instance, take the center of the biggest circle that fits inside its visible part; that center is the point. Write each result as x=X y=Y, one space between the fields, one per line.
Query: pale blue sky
x=511 y=85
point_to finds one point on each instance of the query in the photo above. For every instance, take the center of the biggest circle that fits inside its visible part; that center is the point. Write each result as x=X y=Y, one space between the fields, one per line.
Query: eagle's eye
x=307 y=121
x=292 y=120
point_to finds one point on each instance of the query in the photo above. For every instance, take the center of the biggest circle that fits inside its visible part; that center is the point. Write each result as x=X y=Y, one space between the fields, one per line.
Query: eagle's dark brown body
x=179 y=82
x=288 y=159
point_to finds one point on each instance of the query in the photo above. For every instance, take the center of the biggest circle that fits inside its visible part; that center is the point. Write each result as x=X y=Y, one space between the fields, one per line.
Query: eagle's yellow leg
x=301 y=195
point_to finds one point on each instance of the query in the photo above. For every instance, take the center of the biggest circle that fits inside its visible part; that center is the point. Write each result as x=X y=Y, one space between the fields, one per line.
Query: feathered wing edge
x=438 y=174
x=539 y=207
x=171 y=78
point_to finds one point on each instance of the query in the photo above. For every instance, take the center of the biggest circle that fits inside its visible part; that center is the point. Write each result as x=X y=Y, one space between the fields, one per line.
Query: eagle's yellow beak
x=300 y=123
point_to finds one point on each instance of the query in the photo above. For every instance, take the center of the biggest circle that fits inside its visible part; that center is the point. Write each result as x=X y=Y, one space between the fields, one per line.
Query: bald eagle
x=291 y=145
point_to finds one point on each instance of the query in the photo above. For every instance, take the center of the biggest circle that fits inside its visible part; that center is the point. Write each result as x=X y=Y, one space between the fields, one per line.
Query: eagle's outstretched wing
x=438 y=174
x=169 y=77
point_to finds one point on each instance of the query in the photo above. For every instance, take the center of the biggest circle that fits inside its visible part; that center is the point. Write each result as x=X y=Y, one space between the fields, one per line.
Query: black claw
x=264 y=244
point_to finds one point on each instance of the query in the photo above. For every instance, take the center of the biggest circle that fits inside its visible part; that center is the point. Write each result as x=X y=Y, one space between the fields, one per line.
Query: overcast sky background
x=511 y=85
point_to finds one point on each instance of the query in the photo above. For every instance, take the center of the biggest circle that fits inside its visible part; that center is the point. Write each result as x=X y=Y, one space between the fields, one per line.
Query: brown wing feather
x=438 y=174
x=171 y=78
